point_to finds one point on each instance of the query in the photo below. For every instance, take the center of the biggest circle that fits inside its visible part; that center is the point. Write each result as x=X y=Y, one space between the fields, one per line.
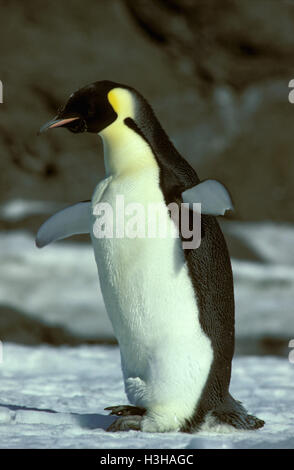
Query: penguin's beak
x=56 y=122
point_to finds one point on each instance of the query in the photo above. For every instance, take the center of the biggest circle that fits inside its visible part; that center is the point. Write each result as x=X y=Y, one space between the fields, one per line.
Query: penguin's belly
x=152 y=305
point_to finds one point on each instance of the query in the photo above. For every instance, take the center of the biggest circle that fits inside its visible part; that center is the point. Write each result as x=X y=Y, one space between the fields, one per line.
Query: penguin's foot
x=241 y=421
x=233 y=413
x=126 y=423
x=126 y=410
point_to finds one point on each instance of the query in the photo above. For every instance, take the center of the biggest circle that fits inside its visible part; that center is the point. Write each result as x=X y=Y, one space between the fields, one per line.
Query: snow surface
x=19 y=209
x=55 y=398
x=59 y=284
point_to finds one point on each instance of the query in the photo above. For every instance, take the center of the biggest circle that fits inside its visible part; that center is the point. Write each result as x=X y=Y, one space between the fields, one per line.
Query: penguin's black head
x=87 y=110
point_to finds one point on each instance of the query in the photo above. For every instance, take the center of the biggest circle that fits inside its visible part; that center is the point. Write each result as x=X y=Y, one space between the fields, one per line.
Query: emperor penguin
x=171 y=306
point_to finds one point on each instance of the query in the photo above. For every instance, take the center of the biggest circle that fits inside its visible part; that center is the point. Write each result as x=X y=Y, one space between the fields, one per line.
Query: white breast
x=165 y=355
x=152 y=306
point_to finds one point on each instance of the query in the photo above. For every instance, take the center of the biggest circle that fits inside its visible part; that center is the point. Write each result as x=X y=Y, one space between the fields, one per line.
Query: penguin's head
x=93 y=108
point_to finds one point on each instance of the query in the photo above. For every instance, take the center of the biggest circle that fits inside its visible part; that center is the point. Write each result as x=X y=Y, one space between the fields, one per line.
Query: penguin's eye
x=78 y=126
x=91 y=112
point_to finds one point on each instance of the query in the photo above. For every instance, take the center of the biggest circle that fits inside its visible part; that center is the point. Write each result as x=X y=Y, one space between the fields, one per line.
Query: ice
x=58 y=286
x=18 y=209
x=55 y=398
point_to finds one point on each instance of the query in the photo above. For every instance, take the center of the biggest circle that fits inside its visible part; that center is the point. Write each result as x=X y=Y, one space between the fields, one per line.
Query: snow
x=59 y=285
x=264 y=299
x=18 y=209
x=272 y=242
x=55 y=398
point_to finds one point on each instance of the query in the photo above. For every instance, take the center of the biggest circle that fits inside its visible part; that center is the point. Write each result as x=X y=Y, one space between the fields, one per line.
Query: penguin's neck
x=125 y=151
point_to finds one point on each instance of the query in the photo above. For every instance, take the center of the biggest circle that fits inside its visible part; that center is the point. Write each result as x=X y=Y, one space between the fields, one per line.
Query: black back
x=209 y=265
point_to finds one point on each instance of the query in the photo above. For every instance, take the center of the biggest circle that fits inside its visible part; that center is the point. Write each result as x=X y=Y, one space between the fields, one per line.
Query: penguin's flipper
x=72 y=220
x=213 y=196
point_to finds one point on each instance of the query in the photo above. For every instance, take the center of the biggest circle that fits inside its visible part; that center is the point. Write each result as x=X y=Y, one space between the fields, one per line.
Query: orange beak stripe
x=62 y=122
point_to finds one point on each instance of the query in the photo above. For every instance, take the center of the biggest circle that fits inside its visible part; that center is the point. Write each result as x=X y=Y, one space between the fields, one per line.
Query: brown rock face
x=239 y=56
x=217 y=74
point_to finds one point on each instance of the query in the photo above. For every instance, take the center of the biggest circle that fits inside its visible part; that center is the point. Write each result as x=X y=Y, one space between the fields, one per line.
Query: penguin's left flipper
x=213 y=196
x=125 y=410
x=126 y=423
x=72 y=220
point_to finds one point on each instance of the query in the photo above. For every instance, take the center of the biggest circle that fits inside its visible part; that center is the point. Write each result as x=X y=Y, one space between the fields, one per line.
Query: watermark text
x=149 y=220
x=291 y=353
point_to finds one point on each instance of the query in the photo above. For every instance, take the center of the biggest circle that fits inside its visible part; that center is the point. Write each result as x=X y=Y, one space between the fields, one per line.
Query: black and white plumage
x=172 y=309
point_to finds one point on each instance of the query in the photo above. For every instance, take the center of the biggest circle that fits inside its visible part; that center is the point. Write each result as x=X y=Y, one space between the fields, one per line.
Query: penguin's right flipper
x=213 y=196
x=72 y=220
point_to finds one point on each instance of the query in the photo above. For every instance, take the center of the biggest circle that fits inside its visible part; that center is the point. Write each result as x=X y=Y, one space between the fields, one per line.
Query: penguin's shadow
x=85 y=421
x=94 y=421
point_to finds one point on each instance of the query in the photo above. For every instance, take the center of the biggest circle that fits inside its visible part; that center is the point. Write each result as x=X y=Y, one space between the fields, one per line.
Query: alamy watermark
x=150 y=220
x=291 y=353
x=291 y=93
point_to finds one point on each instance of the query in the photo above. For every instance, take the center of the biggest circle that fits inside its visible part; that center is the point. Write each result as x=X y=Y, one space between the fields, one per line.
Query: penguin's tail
x=232 y=412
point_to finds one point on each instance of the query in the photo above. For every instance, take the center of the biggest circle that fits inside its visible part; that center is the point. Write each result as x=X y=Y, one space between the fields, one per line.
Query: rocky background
x=217 y=75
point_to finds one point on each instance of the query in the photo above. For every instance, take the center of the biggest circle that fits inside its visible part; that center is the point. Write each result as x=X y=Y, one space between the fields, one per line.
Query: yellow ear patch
x=113 y=100
x=121 y=100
